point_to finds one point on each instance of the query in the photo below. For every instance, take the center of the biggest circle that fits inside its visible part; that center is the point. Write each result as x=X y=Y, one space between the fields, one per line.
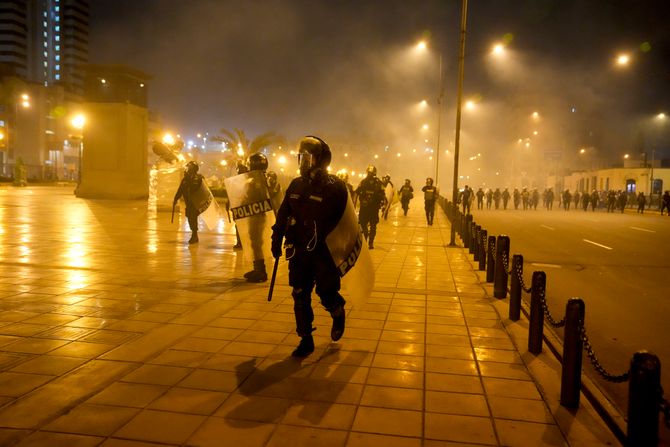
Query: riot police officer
x=406 y=193
x=312 y=207
x=429 y=198
x=371 y=196
x=189 y=185
x=257 y=162
x=275 y=190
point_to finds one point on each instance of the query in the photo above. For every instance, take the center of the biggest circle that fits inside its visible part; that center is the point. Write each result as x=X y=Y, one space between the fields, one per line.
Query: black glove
x=276 y=247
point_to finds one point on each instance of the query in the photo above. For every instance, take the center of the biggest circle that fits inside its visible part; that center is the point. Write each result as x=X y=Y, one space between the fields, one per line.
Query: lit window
x=57 y=38
x=57 y=67
x=46 y=54
x=45 y=34
x=57 y=47
x=57 y=18
x=45 y=64
x=57 y=76
x=45 y=14
x=45 y=24
x=57 y=56
x=57 y=28
x=57 y=8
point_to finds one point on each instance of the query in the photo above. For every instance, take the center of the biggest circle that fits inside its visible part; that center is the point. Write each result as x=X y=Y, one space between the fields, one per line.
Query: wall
x=114 y=162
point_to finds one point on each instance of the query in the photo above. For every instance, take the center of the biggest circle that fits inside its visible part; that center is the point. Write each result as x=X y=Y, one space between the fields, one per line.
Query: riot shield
x=350 y=254
x=391 y=199
x=251 y=209
x=208 y=209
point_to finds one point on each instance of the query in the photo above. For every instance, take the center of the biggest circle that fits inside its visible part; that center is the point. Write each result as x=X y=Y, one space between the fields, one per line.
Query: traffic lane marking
x=642 y=229
x=539 y=264
x=597 y=244
x=547 y=227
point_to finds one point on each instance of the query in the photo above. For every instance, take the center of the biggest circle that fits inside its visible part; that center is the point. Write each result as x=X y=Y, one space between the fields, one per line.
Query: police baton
x=272 y=281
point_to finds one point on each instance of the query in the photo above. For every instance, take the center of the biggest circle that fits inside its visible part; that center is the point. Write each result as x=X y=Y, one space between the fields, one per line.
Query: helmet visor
x=306 y=162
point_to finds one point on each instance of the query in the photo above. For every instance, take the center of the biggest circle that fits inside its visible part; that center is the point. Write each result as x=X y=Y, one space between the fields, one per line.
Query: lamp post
x=459 y=98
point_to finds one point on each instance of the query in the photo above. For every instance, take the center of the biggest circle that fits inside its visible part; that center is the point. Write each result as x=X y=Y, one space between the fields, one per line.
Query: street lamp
x=623 y=59
x=459 y=98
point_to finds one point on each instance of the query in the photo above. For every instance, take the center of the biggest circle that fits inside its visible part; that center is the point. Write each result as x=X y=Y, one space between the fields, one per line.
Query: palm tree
x=237 y=140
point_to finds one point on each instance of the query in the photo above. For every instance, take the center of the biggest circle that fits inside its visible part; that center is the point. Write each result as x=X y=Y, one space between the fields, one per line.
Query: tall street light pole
x=440 y=96
x=459 y=98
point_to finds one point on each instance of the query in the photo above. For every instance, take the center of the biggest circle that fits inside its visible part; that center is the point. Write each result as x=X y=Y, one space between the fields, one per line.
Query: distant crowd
x=525 y=199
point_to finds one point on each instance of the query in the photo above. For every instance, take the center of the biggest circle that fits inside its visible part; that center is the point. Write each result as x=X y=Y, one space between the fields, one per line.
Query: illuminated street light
x=346 y=155
x=224 y=163
x=469 y=105
x=168 y=139
x=282 y=160
x=376 y=156
x=498 y=49
x=626 y=156
x=623 y=59
x=582 y=151
x=423 y=103
x=25 y=100
x=78 y=121
x=425 y=127
x=421 y=45
x=535 y=132
x=661 y=116
x=536 y=116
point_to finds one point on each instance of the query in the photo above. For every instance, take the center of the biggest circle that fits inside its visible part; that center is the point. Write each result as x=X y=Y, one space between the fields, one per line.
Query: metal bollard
x=515 y=288
x=536 y=320
x=491 y=261
x=643 y=398
x=477 y=241
x=500 y=274
x=473 y=235
x=461 y=227
x=466 y=231
x=571 y=372
x=482 y=250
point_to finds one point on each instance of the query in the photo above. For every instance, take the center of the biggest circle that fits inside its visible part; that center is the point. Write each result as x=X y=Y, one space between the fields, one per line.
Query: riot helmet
x=408 y=182
x=313 y=153
x=371 y=171
x=272 y=178
x=429 y=181
x=386 y=178
x=258 y=162
x=241 y=167
x=342 y=175
x=191 y=168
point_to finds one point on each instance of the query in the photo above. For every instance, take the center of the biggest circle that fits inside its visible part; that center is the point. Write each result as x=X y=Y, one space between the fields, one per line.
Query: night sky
x=347 y=70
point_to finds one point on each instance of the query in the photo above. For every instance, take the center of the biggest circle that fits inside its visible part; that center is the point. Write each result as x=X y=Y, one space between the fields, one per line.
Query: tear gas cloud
x=350 y=72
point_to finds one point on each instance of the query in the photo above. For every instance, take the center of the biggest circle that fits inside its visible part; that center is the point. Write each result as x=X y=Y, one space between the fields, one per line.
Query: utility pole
x=459 y=98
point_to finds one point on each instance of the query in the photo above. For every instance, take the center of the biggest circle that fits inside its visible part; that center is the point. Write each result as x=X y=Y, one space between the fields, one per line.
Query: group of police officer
x=313 y=205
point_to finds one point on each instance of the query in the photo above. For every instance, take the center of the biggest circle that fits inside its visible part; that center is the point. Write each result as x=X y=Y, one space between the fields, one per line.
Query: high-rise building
x=45 y=41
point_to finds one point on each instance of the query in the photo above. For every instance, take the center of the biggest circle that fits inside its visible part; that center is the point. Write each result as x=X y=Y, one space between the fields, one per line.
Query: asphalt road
x=617 y=263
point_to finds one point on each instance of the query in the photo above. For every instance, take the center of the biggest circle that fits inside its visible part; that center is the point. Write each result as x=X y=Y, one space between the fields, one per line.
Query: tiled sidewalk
x=114 y=332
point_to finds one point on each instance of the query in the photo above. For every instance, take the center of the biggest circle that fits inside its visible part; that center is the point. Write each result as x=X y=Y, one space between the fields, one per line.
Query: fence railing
x=645 y=394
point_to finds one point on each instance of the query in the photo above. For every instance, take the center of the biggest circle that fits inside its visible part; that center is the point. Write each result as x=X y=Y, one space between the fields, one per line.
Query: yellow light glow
x=527 y=144
x=423 y=103
x=25 y=97
x=422 y=45
x=469 y=105
x=376 y=156
x=346 y=155
x=2 y=135
x=623 y=59
x=103 y=81
x=224 y=163
x=661 y=116
x=425 y=127
x=430 y=158
x=240 y=151
x=78 y=121
x=168 y=139
x=498 y=49
x=25 y=103
x=282 y=160
x=536 y=132
x=582 y=151
x=398 y=154
x=626 y=156
x=536 y=115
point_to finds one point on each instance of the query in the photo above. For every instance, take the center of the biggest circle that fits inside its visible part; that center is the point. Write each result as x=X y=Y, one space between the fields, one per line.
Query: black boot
x=194 y=238
x=337 y=330
x=258 y=274
x=305 y=348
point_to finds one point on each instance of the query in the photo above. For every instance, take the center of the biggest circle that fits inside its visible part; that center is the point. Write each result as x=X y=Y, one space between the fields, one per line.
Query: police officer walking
x=258 y=162
x=429 y=198
x=406 y=194
x=312 y=207
x=189 y=185
x=480 y=199
x=371 y=196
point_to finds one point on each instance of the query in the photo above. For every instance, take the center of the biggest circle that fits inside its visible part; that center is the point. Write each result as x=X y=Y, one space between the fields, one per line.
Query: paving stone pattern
x=115 y=332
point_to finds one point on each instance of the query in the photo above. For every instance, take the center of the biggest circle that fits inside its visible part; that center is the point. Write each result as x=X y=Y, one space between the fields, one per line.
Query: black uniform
x=406 y=194
x=311 y=208
x=429 y=198
x=371 y=196
x=189 y=185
